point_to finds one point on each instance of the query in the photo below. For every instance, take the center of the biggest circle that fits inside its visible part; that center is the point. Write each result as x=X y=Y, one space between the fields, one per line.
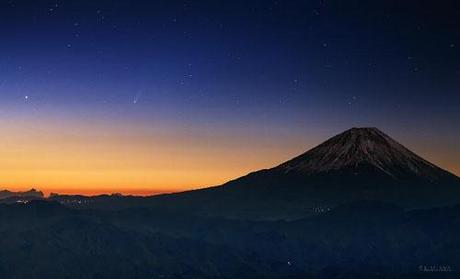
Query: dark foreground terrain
x=360 y=240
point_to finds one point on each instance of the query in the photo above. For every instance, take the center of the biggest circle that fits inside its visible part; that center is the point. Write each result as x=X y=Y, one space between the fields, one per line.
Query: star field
x=217 y=79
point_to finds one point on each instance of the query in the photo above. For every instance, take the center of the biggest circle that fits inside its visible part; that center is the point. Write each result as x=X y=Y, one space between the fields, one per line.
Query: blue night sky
x=215 y=89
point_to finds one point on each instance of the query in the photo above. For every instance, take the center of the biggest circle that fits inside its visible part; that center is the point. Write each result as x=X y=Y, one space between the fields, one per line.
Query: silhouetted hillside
x=359 y=164
x=359 y=240
x=5 y=194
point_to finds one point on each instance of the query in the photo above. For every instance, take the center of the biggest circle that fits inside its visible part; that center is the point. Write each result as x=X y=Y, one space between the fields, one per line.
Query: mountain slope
x=358 y=164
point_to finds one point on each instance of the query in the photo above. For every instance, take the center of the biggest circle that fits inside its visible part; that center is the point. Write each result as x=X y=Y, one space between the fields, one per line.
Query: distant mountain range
x=358 y=164
x=31 y=194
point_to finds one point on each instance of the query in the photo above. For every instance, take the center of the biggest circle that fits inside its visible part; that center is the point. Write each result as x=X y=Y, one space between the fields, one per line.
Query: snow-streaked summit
x=362 y=148
x=360 y=164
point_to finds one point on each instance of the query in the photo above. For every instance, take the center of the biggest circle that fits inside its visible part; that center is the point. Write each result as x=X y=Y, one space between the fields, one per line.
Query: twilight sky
x=151 y=96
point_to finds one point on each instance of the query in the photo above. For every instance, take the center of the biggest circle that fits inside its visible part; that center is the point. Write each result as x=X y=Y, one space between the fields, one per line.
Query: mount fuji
x=360 y=164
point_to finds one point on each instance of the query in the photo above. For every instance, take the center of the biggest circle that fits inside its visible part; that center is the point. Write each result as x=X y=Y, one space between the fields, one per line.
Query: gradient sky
x=155 y=96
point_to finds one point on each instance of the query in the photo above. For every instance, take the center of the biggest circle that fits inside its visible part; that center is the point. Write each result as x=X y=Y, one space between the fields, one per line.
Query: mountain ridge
x=32 y=193
x=360 y=164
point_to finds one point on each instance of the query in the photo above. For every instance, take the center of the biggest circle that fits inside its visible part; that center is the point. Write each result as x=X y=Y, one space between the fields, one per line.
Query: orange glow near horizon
x=74 y=157
x=96 y=156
